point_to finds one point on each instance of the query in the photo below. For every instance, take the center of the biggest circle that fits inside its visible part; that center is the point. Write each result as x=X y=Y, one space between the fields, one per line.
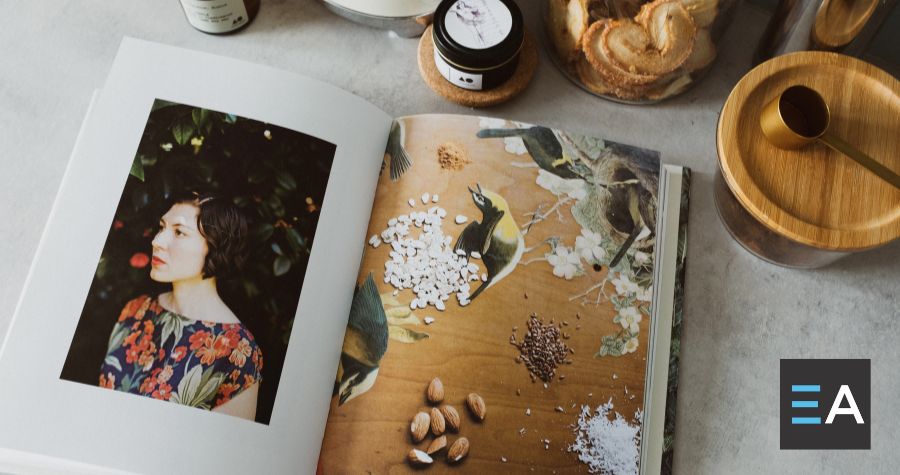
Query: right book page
x=502 y=316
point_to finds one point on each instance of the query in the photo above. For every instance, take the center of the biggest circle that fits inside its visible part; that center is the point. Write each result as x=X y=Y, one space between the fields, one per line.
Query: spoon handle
x=839 y=145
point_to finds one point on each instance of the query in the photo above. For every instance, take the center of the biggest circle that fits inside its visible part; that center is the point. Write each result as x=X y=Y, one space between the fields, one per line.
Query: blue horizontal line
x=806 y=420
x=804 y=403
x=805 y=388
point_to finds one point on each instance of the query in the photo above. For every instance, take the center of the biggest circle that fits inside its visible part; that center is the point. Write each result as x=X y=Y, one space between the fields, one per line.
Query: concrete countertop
x=741 y=314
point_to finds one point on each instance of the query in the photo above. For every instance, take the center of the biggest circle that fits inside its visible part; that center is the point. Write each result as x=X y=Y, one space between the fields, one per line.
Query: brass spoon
x=799 y=116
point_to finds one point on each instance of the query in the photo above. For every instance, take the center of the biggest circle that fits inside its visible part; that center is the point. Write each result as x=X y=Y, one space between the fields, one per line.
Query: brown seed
x=419 y=426
x=451 y=417
x=437 y=421
x=458 y=450
x=518 y=392
x=417 y=457
x=476 y=405
x=435 y=391
x=436 y=445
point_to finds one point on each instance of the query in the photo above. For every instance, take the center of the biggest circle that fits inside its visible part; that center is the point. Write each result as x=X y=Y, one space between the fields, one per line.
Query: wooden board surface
x=468 y=347
x=815 y=195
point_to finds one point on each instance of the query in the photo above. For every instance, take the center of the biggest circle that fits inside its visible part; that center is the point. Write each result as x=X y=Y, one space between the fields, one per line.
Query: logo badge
x=825 y=404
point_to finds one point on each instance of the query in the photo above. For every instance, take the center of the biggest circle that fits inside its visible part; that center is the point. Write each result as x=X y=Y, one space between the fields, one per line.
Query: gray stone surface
x=742 y=314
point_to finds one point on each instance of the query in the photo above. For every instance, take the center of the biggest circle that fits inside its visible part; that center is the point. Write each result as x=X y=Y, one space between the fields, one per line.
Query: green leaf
x=230 y=118
x=263 y=231
x=113 y=361
x=277 y=249
x=159 y=104
x=200 y=117
x=137 y=168
x=286 y=180
x=281 y=266
x=296 y=241
x=172 y=324
x=116 y=337
x=182 y=131
x=188 y=386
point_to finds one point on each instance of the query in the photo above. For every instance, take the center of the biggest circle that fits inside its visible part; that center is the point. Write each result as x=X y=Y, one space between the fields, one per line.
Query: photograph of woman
x=186 y=344
x=200 y=275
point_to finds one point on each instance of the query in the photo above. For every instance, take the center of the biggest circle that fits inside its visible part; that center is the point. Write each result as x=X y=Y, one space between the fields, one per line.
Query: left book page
x=192 y=285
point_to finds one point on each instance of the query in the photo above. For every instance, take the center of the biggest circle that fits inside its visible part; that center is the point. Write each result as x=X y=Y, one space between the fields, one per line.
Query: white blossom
x=573 y=188
x=515 y=145
x=629 y=317
x=565 y=262
x=590 y=246
x=631 y=345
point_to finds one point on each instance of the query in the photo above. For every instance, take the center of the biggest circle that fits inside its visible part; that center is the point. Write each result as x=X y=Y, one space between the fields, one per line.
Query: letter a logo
x=844 y=393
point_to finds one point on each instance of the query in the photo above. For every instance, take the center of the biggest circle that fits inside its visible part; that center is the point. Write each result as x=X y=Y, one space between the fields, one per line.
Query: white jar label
x=215 y=16
x=457 y=77
x=478 y=24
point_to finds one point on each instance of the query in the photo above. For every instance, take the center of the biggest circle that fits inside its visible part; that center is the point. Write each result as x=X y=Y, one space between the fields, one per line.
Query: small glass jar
x=220 y=16
x=635 y=51
x=477 y=42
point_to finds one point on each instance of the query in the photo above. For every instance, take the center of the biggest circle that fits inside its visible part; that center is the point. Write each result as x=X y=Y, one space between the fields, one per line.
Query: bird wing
x=499 y=133
x=367 y=317
x=400 y=161
x=471 y=239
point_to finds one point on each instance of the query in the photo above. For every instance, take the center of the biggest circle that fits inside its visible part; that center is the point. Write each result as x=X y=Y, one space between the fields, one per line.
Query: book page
x=514 y=264
x=192 y=285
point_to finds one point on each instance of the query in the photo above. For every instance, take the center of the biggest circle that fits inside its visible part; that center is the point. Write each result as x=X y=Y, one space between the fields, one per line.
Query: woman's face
x=179 y=250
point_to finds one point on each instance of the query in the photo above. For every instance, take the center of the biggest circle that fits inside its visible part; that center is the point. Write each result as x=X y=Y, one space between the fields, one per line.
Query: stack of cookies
x=632 y=50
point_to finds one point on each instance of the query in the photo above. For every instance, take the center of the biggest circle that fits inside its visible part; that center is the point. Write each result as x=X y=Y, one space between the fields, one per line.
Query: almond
x=451 y=417
x=435 y=391
x=436 y=445
x=437 y=421
x=419 y=426
x=476 y=405
x=417 y=457
x=458 y=450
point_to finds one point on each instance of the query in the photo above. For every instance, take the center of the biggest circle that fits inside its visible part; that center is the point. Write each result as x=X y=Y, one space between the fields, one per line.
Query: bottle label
x=456 y=77
x=478 y=24
x=215 y=16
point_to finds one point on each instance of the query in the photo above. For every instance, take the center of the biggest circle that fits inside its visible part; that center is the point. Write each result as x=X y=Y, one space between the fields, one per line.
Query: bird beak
x=479 y=187
x=470 y=189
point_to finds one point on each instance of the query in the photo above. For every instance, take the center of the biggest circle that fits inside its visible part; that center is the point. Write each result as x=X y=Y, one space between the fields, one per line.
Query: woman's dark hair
x=225 y=228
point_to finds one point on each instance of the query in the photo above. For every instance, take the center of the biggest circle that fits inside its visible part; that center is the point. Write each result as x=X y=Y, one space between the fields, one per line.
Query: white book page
x=43 y=414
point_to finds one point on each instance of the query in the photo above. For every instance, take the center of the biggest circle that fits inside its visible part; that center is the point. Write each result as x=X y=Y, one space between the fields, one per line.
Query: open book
x=246 y=270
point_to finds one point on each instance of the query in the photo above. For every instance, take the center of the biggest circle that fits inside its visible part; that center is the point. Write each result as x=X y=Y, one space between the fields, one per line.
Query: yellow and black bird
x=365 y=342
x=496 y=237
x=545 y=149
x=395 y=152
x=629 y=209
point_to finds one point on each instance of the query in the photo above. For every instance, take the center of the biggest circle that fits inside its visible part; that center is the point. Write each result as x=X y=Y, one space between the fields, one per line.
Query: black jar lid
x=463 y=53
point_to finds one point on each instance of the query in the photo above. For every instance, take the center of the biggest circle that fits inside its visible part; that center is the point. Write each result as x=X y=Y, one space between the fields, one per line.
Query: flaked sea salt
x=607 y=446
x=412 y=203
x=461 y=219
x=425 y=198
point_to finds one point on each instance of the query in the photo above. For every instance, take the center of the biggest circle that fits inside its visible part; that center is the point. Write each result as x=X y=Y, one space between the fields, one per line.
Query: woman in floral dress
x=186 y=346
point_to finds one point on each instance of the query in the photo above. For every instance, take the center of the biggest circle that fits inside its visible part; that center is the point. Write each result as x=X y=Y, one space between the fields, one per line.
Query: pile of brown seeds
x=542 y=349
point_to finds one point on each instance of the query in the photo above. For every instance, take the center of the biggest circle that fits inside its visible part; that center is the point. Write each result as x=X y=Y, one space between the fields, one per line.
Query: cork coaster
x=528 y=60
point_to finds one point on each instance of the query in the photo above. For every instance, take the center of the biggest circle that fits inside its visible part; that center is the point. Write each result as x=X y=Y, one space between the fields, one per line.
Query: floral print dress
x=160 y=354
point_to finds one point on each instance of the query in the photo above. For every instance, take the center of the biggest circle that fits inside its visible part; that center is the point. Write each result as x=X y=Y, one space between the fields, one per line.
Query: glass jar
x=220 y=16
x=635 y=51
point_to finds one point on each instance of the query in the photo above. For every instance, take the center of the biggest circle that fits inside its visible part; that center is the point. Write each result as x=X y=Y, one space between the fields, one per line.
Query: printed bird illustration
x=629 y=209
x=365 y=342
x=397 y=156
x=546 y=151
x=496 y=237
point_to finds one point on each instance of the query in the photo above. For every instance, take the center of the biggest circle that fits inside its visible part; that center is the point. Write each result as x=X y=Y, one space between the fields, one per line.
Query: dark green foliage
x=277 y=176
